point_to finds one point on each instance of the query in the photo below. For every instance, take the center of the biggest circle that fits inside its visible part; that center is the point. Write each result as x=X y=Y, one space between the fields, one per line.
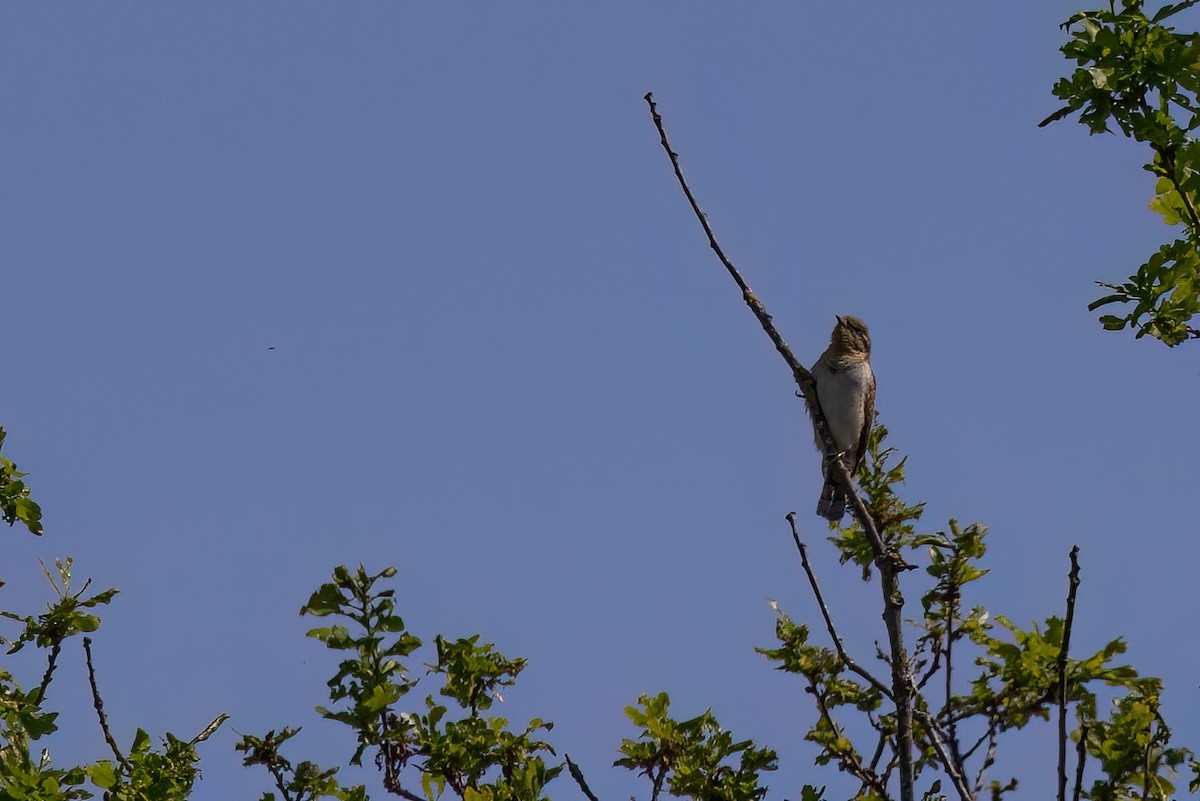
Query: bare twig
x=408 y=795
x=956 y=777
x=971 y=751
x=1073 y=581
x=989 y=757
x=891 y=766
x=1080 y=758
x=108 y=738
x=833 y=635
x=802 y=376
x=887 y=562
x=883 y=740
x=51 y=664
x=934 y=665
x=577 y=775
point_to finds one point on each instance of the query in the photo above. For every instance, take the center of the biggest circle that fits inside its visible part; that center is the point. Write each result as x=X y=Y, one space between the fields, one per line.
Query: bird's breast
x=842 y=394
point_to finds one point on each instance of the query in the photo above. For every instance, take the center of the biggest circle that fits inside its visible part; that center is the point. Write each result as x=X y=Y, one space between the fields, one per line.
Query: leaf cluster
x=972 y=676
x=305 y=781
x=439 y=747
x=15 y=503
x=694 y=758
x=1138 y=74
x=22 y=776
x=144 y=773
x=63 y=618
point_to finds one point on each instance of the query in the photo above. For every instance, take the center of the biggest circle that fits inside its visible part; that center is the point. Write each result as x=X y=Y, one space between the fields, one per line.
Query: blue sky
x=506 y=362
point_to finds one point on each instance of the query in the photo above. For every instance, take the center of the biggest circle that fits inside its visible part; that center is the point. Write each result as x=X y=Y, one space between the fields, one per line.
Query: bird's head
x=850 y=335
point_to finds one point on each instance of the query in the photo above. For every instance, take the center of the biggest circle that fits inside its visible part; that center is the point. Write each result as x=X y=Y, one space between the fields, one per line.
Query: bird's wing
x=868 y=420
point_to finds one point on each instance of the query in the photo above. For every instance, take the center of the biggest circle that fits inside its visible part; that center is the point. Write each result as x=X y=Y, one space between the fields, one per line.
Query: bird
x=845 y=394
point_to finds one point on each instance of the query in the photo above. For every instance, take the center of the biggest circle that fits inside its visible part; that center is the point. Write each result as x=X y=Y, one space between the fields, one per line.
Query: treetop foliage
x=1139 y=75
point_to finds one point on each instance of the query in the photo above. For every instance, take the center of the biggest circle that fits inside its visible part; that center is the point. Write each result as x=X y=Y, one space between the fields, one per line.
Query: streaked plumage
x=846 y=394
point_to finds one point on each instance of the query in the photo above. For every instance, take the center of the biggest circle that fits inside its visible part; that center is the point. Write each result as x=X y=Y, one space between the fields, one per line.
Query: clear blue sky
x=506 y=362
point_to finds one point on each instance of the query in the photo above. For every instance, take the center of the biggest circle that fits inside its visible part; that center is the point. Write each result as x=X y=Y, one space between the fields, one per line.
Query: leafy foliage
x=62 y=619
x=303 y=782
x=691 y=758
x=1142 y=76
x=475 y=756
x=1014 y=678
x=22 y=722
x=15 y=503
x=146 y=774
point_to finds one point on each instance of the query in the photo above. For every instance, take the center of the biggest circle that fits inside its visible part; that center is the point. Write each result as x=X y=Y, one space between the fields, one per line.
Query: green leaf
x=102 y=774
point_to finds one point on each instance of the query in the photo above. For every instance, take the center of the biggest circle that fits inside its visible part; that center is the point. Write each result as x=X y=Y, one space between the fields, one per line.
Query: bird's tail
x=832 y=505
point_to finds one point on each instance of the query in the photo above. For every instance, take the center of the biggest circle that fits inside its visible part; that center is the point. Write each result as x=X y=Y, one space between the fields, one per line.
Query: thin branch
x=987 y=734
x=952 y=726
x=656 y=781
x=1080 y=758
x=802 y=376
x=277 y=771
x=837 y=641
x=108 y=738
x=883 y=740
x=891 y=765
x=51 y=664
x=848 y=760
x=1146 y=770
x=577 y=775
x=989 y=758
x=887 y=562
x=1073 y=581
x=410 y=796
x=952 y=770
x=934 y=665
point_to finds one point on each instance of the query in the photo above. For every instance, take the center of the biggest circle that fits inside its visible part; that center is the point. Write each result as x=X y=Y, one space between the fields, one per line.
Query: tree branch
x=1081 y=757
x=935 y=663
x=276 y=771
x=833 y=635
x=952 y=727
x=847 y=760
x=108 y=738
x=656 y=781
x=51 y=664
x=1073 y=581
x=989 y=758
x=893 y=601
x=577 y=775
x=883 y=739
x=952 y=771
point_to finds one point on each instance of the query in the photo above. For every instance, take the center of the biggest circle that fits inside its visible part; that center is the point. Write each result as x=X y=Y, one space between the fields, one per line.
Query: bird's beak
x=838 y=317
